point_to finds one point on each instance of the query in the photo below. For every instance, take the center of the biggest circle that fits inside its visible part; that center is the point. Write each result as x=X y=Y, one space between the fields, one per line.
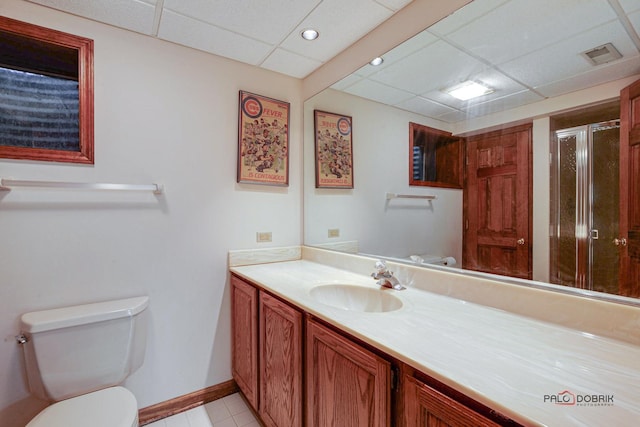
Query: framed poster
x=263 y=140
x=334 y=150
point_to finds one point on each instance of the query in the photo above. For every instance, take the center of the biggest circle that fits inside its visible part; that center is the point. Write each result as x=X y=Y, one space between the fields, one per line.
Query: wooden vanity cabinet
x=283 y=357
x=426 y=407
x=280 y=363
x=267 y=354
x=347 y=385
x=244 y=337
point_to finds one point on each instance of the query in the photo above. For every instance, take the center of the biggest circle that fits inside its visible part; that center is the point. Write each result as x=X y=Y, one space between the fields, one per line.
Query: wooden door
x=244 y=335
x=629 y=239
x=497 y=203
x=280 y=363
x=347 y=386
x=427 y=407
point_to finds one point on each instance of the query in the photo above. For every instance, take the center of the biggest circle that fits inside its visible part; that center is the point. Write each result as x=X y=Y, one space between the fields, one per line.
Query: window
x=46 y=94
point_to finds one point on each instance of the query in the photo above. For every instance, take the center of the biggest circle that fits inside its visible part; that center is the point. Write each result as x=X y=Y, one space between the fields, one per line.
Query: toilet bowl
x=110 y=407
x=77 y=357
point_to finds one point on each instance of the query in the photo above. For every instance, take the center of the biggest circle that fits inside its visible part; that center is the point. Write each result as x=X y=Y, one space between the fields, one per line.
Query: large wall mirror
x=540 y=67
x=46 y=94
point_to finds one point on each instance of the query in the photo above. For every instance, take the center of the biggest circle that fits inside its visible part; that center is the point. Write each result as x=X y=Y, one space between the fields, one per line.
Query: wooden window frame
x=84 y=46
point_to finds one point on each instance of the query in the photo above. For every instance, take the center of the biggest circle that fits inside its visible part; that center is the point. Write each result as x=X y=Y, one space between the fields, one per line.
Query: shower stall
x=585 y=206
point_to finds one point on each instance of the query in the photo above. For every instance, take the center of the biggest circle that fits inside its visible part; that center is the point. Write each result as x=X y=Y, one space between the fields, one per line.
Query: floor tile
x=244 y=418
x=230 y=411
x=217 y=411
x=198 y=417
x=177 y=420
x=235 y=403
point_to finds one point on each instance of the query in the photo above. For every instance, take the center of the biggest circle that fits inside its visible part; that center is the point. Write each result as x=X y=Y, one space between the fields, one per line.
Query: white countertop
x=506 y=361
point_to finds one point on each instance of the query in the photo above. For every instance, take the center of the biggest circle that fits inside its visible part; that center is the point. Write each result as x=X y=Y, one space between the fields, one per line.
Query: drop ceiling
x=264 y=33
x=525 y=50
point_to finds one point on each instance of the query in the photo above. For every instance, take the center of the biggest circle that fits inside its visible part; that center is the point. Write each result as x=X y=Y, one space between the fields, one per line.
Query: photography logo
x=567 y=398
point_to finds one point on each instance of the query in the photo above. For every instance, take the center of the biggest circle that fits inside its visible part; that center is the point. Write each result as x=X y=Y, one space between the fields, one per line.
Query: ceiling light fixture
x=376 y=61
x=468 y=90
x=309 y=34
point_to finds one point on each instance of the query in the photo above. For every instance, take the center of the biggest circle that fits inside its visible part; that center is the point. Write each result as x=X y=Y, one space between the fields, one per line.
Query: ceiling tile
x=424 y=107
x=338 y=28
x=521 y=26
x=463 y=16
x=635 y=20
x=268 y=21
x=378 y=92
x=347 y=81
x=290 y=63
x=564 y=59
x=598 y=75
x=413 y=45
x=437 y=66
x=504 y=103
x=394 y=5
x=501 y=84
x=132 y=15
x=455 y=116
x=189 y=32
x=630 y=5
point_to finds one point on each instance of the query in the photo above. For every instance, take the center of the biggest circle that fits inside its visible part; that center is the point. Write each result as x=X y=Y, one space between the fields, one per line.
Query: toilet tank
x=75 y=350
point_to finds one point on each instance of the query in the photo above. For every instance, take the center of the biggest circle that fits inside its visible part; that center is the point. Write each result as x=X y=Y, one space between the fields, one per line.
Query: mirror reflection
x=436 y=157
x=541 y=73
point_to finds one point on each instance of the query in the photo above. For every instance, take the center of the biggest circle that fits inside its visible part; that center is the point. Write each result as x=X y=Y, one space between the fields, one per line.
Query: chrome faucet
x=385 y=278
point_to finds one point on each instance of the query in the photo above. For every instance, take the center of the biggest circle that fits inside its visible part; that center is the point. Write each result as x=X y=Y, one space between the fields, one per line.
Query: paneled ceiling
x=525 y=50
x=264 y=33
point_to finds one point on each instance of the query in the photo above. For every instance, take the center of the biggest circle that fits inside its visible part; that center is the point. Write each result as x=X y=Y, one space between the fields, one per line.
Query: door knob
x=520 y=241
x=620 y=242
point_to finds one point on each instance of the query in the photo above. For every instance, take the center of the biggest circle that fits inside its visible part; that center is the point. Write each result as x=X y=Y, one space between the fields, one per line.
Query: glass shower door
x=586 y=195
x=605 y=205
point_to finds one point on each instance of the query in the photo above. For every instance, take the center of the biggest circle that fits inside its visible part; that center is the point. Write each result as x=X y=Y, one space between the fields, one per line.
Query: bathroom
x=63 y=248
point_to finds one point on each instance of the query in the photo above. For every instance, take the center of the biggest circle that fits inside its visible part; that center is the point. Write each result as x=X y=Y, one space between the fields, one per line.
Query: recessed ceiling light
x=376 y=61
x=468 y=90
x=310 y=34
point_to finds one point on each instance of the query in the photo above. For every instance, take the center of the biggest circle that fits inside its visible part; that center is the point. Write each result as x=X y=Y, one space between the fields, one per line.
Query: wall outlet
x=263 y=236
x=334 y=232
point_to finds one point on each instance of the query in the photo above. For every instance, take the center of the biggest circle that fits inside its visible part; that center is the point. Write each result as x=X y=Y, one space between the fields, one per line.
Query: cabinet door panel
x=346 y=384
x=280 y=363
x=244 y=348
x=427 y=407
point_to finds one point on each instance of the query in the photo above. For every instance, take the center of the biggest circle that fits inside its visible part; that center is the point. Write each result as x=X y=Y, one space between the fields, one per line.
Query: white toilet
x=76 y=356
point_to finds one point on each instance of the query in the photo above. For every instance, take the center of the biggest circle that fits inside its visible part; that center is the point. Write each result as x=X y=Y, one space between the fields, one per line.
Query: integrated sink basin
x=356 y=298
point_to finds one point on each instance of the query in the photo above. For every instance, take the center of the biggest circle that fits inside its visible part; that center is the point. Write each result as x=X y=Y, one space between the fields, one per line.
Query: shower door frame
x=584 y=227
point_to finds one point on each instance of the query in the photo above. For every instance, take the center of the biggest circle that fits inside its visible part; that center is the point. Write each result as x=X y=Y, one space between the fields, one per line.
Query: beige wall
x=166 y=114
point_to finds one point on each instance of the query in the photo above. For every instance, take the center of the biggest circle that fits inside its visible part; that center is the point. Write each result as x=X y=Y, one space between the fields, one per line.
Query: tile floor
x=230 y=411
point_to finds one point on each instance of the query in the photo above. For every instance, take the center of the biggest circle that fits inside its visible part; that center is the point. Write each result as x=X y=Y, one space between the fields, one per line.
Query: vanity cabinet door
x=427 y=407
x=347 y=385
x=244 y=330
x=280 y=363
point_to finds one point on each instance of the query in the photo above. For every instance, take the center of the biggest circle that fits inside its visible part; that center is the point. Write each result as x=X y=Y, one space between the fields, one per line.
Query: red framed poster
x=333 y=150
x=263 y=140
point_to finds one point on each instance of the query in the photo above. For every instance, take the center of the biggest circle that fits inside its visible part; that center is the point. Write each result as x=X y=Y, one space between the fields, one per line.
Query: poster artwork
x=263 y=140
x=334 y=153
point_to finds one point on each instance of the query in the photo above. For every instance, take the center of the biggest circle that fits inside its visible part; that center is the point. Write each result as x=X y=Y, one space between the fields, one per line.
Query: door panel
x=244 y=348
x=497 y=203
x=280 y=363
x=630 y=191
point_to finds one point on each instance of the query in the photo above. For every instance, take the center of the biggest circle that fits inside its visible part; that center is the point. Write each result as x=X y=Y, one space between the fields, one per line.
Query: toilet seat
x=110 y=407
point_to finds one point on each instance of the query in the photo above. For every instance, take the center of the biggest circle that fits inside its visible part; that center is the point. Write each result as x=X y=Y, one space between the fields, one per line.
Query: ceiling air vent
x=602 y=54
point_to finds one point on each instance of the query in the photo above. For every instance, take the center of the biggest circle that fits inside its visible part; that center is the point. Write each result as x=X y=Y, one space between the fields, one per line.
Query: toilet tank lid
x=57 y=318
